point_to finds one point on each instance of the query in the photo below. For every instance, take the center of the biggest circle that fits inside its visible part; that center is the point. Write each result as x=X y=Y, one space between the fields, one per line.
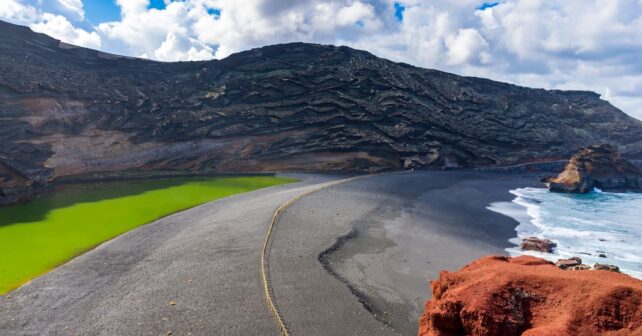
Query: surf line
x=265 y=252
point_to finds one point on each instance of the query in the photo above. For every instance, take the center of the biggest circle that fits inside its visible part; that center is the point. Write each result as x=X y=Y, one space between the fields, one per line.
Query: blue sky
x=99 y=11
x=553 y=44
x=487 y=5
x=399 y=9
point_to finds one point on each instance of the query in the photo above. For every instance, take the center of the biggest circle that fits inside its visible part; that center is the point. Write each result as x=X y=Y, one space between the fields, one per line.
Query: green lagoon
x=38 y=236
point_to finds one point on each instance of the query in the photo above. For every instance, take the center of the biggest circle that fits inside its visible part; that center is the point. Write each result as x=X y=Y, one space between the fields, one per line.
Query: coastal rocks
x=580 y=267
x=575 y=264
x=506 y=296
x=537 y=244
x=598 y=166
x=568 y=263
x=606 y=267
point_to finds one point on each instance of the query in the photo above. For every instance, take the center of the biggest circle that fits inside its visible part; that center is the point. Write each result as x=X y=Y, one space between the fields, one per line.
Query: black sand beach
x=397 y=231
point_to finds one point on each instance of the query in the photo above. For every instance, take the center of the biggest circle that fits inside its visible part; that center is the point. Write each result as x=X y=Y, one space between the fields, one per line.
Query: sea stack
x=525 y=295
x=597 y=166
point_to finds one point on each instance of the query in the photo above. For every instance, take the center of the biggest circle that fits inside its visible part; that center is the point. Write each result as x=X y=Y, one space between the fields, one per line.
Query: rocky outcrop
x=537 y=244
x=606 y=267
x=66 y=110
x=575 y=264
x=529 y=296
x=570 y=263
x=598 y=166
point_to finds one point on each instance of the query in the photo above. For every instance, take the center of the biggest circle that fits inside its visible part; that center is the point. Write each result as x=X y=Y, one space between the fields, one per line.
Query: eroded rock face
x=529 y=296
x=598 y=166
x=294 y=107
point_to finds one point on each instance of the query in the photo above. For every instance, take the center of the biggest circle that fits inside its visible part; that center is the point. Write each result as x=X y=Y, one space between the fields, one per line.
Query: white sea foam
x=582 y=225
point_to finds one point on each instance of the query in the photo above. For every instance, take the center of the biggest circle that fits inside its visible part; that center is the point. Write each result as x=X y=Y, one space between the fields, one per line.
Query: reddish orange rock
x=530 y=296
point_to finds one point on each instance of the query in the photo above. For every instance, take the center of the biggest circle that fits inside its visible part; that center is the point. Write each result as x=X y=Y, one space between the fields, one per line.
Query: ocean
x=582 y=225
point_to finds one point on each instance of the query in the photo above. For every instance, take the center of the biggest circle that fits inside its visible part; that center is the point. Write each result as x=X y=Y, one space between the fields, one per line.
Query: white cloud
x=132 y=7
x=158 y=33
x=467 y=46
x=247 y=24
x=556 y=44
x=33 y=14
x=354 y=13
x=181 y=48
x=59 y=27
x=74 y=7
x=17 y=12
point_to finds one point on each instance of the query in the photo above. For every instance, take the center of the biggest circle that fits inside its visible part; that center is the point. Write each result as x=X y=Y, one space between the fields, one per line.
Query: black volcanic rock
x=67 y=110
x=598 y=166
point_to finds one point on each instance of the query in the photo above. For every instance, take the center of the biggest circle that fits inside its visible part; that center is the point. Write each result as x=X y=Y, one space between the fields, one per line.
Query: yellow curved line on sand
x=267 y=288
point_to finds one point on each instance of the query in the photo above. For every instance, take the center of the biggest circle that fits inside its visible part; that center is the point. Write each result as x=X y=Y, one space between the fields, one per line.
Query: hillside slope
x=66 y=110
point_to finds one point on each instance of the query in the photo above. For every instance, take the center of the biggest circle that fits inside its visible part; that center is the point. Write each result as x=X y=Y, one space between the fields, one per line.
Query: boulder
x=580 y=267
x=537 y=244
x=503 y=296
x=606 y=267
x=566 y=263
x=598 y=166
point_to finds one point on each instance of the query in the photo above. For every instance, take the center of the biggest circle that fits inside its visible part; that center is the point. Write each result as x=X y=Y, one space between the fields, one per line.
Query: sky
x=554 y=44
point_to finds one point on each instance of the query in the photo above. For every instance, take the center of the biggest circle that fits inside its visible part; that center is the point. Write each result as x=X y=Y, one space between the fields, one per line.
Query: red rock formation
x=530 y=296
x=597 y=166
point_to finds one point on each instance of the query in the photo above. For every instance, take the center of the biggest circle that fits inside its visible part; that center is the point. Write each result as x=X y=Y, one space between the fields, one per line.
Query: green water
x=38 y=236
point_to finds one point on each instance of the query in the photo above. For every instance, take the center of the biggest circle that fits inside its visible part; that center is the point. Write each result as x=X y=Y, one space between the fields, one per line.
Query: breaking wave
x=599 y=227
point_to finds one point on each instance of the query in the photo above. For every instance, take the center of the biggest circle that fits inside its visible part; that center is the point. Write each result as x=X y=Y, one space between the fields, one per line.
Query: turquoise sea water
x=584 y=225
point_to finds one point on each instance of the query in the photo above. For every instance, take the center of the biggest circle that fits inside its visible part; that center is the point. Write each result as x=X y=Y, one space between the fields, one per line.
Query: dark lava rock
x=599 y=166
x=606 y=267
x=537 y=244
x=68 y=111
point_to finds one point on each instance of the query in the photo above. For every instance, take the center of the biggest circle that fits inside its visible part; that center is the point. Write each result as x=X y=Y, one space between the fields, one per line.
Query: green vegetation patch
x=38 y=236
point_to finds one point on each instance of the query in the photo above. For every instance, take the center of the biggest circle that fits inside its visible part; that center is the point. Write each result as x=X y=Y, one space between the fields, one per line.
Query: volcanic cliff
x=67 y=110
x=502 y=296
